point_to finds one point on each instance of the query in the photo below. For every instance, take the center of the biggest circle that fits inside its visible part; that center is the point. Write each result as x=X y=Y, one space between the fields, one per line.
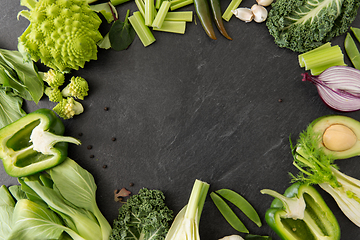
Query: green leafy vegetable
x=144 y=216
x=121 y=34
x=304 y=25
x=10 y=106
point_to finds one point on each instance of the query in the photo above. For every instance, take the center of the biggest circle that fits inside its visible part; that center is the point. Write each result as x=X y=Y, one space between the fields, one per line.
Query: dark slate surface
x=188 y=107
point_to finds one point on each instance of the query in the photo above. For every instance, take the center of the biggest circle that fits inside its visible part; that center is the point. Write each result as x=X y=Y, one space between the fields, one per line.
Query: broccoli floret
x=302 y=25
x=62 y=33
x=68 y=108
x=77 y=88
x=54 y=78
x=145 y=215
x=54 y=94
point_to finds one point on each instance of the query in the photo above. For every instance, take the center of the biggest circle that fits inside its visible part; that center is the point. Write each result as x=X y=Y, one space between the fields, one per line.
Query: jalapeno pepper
x=33 y=143
x=216 y=10
x=202 y=9
x=301 y=213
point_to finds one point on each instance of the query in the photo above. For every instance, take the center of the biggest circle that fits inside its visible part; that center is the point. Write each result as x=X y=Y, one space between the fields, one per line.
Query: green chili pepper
x=352 y=51
x=228 y=214
x=202 y=9
x=301 y=213
x=216 y=10
x=33 y=143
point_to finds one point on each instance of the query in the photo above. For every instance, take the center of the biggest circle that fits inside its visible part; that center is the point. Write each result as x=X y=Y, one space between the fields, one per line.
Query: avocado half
x=352 y=131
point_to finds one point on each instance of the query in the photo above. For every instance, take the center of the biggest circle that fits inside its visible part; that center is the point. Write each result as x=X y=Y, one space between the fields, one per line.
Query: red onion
x=339 y=87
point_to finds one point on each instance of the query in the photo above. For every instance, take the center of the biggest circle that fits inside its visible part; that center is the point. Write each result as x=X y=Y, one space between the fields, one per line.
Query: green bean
x=352 y=51
x=241 y=203
x=228 y=214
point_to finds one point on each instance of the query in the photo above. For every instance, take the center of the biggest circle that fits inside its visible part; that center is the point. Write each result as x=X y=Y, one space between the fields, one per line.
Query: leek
x=186 y=223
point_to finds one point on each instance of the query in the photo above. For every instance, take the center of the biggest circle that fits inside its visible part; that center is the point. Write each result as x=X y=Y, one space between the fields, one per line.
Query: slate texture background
x=188 y=107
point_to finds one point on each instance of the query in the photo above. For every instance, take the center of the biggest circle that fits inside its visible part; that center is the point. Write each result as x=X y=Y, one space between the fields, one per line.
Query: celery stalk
x=172 y=26
x=160 y=16
x=144 y=33
x=175 y=4
x=141 y=6
x=149 y=12
x=158 y=3
x=301 y=56
x=117 y=2
x=323 y=57
x=234 y=4
x=185 y=16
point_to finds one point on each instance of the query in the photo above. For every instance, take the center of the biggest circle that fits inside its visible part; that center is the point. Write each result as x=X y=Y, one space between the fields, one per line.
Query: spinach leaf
x=121 y=34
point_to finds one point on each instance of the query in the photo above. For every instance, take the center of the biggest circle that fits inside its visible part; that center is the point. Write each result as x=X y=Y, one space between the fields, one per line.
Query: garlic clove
x=264 y=3
x=260 y=13
x=244 y=14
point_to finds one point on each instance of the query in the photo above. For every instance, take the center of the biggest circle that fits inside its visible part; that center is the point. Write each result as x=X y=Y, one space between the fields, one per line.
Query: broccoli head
x=54 y=94
x=302 y=25
x=68 y=108
x=144 y=216
x=77 y=88
x=54 y=78
x=62 y=33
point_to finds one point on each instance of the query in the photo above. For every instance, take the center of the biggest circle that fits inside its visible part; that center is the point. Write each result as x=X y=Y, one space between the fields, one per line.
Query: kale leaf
x=144 y=216
x=302 y=25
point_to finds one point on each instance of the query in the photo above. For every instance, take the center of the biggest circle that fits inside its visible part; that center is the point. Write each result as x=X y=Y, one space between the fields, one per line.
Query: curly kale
x=302 y=25
x=144 y=216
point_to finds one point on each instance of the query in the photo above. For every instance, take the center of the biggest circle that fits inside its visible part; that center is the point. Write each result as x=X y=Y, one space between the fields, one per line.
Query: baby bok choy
x=186 y=223
x=317 y=167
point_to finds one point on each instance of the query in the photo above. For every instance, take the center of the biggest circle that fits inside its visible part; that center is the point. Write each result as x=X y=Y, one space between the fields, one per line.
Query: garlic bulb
x=260 y=13
x=244 y=14
x=264 y=3
x=232 y=237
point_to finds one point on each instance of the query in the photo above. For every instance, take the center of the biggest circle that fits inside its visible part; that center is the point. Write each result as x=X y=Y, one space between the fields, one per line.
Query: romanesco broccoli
x=143 y=216
x=54 y=94
x=54 y=78
x=68 y=108
x=77 y=88
x=62 y=33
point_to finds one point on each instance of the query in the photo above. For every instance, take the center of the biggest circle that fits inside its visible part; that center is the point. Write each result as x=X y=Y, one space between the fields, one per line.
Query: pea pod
x=216 y=10
x=352 y=51
x=228 y=214
x=202 y=9
x=241 y=203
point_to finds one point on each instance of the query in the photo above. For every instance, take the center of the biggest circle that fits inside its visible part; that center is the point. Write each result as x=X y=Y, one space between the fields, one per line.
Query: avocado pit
x=339 y=137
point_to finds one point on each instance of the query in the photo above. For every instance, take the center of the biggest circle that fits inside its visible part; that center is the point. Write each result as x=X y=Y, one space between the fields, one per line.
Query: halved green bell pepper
x=301 y=213
x=33 y=143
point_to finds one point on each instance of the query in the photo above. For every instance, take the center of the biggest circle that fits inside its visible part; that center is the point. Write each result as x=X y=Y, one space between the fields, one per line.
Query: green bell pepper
x=301 y=213
x=33 y=143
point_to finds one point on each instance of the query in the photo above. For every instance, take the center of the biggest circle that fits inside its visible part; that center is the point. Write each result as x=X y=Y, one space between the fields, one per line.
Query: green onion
x=175 y=4
x=172 y=26
x=160 y=16
x=185 y=16
x=144 y=33
x=234 y=4
x=149 y=12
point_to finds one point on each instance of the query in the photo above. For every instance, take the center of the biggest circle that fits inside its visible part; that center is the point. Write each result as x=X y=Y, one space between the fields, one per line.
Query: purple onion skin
x=338 y=87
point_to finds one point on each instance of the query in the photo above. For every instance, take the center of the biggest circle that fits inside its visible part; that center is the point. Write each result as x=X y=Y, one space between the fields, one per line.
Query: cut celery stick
x=318 y=70
x=234 y=4
x=186 y=16
x=160 y=16
x=301 y=56
x=143 y=32
x=323 y=57
x=172 y=26
x=141 y=6
x=175 y=4
x=149 y=12
x=158 y=3
x=117 y=2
